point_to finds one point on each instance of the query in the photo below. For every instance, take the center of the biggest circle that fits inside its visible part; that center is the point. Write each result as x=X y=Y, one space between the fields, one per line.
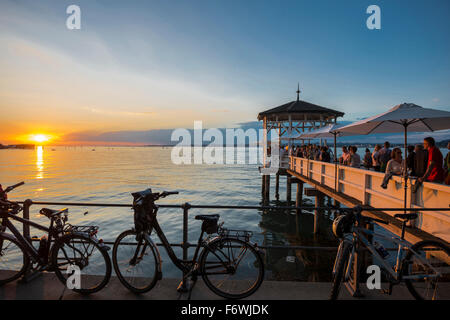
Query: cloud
x=119 y=113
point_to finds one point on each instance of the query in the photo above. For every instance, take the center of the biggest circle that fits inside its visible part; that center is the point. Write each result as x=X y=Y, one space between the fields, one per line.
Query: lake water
x=110 y=174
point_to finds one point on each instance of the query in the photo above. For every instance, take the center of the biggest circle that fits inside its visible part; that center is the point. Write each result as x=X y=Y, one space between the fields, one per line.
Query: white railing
x=365 y=186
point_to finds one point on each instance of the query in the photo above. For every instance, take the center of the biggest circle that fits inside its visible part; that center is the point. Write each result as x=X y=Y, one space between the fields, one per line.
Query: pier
x=347 y=185
x=352 y=186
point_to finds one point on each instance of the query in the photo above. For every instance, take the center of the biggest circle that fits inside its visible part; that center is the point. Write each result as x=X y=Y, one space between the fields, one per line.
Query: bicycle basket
x=144 y=213
x=210 y=226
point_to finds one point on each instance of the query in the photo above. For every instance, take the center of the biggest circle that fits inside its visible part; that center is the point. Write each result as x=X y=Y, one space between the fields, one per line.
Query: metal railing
x=187 y=206
x=185 y=245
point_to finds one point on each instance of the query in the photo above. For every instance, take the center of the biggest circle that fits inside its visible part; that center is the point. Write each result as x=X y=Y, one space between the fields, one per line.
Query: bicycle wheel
x=341 y=265
x=136 y=264
x=437 y=255
x=13 y=260
x=231 y=268
x=81 y=253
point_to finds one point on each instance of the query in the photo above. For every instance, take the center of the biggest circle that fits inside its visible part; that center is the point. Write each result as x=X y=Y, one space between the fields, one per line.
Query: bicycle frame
x=358 y=233
x=183 y=265
x=28 y=246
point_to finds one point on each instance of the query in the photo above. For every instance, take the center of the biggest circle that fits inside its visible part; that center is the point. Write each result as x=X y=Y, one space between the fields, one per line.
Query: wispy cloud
x=119 y=113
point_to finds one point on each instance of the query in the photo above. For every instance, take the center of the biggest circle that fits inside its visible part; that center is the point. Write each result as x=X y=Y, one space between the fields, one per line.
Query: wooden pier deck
x=352 y=186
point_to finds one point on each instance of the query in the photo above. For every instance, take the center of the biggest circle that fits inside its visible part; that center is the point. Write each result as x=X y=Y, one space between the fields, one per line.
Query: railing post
x=186 y=206
x=26 y=233
x=26 y=215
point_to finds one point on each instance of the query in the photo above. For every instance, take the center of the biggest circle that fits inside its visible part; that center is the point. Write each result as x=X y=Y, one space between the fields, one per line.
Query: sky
x=158 y=65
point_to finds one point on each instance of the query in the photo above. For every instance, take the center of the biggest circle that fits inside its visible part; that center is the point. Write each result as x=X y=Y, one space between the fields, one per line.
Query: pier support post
x=318 y=212
x=266 y=189
x=288 y=190
x=263 y=186
x=299 y=196
x=277 y=186
x=319 y=202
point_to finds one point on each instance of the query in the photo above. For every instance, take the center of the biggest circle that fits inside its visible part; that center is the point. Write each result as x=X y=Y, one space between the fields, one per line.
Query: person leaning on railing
x=385 y=156
x=435 y=170
x=367 y=162
x=447 y=166
x=395 y=166
x=355 y=159
x=376 y=158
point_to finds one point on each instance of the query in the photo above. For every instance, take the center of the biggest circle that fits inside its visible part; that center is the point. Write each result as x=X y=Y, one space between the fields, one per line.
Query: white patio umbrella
x=331 y=130
x=402 y=118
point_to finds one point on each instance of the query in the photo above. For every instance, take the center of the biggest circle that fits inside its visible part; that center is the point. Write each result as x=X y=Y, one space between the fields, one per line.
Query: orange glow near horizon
x=40 y=138
x=37 y=138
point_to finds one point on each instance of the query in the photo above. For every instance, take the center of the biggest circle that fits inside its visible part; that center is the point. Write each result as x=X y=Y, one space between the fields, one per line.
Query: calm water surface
x=109 y=175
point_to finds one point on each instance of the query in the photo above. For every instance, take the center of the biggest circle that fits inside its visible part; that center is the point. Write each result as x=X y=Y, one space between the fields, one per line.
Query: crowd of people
x=425 y=162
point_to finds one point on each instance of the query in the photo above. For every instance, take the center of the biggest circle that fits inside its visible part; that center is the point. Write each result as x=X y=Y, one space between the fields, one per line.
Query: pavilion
x=292 y=119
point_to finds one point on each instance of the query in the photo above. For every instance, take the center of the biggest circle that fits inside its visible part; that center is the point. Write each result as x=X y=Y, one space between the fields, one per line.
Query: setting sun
x=40 y=138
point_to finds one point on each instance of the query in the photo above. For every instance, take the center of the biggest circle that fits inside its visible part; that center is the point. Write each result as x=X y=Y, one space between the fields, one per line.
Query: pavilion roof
x=300 y=110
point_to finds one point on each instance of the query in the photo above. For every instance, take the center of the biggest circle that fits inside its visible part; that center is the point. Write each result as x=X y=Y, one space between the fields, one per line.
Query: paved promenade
x=47 y=286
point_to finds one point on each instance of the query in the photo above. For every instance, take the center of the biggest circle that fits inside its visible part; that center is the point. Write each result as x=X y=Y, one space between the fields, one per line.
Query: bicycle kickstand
x=192 y=285
x=389 y=290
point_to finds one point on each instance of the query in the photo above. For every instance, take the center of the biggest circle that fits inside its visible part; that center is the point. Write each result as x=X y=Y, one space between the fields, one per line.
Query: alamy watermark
x=74 y=279
x=73 y=21
x=227 y=146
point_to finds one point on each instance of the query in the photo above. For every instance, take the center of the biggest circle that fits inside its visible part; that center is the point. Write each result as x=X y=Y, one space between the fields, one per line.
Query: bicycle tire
x=406 y=271
x=133 y=288
x=24 y=258
x=340 y=269
x=258 y=261
x=68 y=241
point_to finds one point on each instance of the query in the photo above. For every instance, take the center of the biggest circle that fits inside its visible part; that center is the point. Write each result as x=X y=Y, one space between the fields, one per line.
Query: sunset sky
x=141 y=65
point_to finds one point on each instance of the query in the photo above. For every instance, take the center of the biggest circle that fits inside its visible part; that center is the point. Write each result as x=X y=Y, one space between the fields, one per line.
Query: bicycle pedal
x=182 y=287
x=387 y=291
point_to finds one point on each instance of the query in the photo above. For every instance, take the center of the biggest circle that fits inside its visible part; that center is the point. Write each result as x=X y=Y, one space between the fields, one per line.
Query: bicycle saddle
x=50 y=212
x=207 y=217
x=142 y=194
x=406 y=216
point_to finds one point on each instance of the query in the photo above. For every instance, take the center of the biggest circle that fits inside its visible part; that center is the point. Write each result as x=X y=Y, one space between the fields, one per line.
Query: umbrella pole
x=405 y=168
x=335 y=163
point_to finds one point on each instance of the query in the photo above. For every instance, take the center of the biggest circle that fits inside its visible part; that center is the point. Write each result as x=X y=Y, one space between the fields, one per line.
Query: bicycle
x=66 y=249
x=229 y=264
x=424 y=265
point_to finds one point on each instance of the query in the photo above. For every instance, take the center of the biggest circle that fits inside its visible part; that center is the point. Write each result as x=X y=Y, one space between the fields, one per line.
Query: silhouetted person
x=385 y=156
x=367 y=162
x=420 y=160
x=410 y=160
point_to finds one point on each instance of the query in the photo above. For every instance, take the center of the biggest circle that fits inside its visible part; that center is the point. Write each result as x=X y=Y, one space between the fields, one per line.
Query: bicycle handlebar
x=375 y=220
x=8 y=189
x=356 y=211
x=167 y=193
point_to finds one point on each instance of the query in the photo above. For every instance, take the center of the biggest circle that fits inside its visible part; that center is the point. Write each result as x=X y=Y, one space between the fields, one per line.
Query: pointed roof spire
x=298 y=91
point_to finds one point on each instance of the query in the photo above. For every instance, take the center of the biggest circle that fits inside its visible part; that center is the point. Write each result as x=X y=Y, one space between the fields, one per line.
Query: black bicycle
x=229 y=264
x=424 y=266
x=67 y=250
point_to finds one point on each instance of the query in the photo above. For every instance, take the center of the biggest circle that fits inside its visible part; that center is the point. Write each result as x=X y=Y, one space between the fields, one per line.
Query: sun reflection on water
x=40 y=162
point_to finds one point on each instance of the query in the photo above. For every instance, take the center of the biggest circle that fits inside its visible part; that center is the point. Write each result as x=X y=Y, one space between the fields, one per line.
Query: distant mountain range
x=163 y=136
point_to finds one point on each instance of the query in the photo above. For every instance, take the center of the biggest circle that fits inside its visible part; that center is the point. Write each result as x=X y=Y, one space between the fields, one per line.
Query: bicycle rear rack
x=237 y=234
x=91 y=230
